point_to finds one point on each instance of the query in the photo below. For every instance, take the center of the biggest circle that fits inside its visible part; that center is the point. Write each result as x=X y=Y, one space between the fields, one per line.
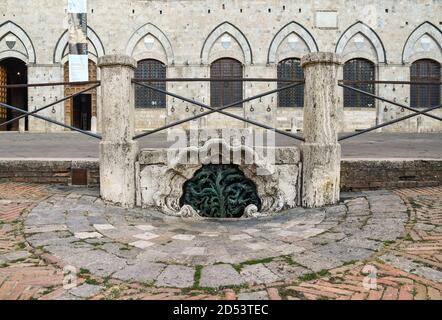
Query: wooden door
x=3 y=96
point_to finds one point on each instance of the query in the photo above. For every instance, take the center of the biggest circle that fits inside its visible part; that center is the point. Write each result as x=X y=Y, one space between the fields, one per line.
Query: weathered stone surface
x=321 y=151
x=140 y=272
x=314 y=241
x=176 y=277
x=253 y=296
x=15 y=256
x=46 y=228
x=220 y=276
x=343 y=252
x=87 y=235
x=317 y=261
x=258 y=274
x=117 y=149
x=86 y=291
x=277 y=184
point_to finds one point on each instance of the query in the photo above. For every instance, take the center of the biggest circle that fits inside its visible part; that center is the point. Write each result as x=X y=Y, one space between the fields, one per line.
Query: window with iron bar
x=224 y=93
x=290 y=69
x=359 y=70
x=145 y=97
x=425 y=95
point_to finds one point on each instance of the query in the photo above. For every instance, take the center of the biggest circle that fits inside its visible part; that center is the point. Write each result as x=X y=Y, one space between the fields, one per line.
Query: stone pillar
x=118 y=150
x=321 y=150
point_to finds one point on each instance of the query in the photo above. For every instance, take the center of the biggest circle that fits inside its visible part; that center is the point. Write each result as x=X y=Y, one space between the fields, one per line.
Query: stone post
x=321 y=150
x=118 y=150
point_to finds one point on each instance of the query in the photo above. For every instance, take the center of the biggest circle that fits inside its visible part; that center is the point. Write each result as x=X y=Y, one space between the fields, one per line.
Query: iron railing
x=416 y=112
x=33 y=113
x=291 y=83
x=294 y=83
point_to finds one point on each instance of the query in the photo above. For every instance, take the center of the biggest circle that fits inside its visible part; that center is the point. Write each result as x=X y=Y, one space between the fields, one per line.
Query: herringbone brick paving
x=35 y=275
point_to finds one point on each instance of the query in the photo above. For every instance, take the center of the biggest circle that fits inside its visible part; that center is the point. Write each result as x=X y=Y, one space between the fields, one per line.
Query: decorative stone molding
x=235 y=33
x=426 y=28
x=10 y=27
x=357 y=55
x=153 y=30
x=13 y=54
x=369 y=33
x=283 y=33
x=63 y=42
x=161 y=181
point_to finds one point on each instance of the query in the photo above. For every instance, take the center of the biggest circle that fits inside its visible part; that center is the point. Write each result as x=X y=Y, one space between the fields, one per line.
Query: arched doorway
x=13 y=71
x=80 y=110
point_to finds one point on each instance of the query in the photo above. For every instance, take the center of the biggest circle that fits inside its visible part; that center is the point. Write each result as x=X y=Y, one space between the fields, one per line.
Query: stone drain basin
x=219 y=180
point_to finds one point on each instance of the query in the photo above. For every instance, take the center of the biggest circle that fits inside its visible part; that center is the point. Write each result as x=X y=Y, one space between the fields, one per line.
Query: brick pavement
x=406 y=269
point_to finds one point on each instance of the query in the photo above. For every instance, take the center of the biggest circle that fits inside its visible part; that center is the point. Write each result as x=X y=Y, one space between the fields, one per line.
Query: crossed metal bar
x=49 y=105
x=389 y=101
x=48 y=84
x=34 y=113
x=219 y=110
x=417 y=112
x=217 y=80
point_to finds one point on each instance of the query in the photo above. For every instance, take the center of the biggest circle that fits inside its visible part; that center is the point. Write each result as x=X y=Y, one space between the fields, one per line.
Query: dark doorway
x=13 y=71
x=82 y=112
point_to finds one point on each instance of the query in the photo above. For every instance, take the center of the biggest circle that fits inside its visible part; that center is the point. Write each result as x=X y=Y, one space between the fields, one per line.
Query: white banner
x=78 y=51
x=77 y=6
x=78 y=68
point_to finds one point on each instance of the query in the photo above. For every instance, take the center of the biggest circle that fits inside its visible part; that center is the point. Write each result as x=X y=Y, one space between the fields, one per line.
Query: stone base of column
x=117 y=172
x=321 y=174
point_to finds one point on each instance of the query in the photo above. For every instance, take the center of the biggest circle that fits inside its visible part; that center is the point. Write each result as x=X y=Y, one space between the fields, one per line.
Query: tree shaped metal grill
x=220 y=191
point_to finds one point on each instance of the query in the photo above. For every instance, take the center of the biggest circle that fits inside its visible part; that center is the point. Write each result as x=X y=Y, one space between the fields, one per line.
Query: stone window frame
x=219 y=83
x=369 y=33
x=283 y=33
x=9 y=27
x=408 y=56
x=162 y=85
x=59 y=55
x=294 y=91
x=236 y=34
x=158 y=34
x=361 y=86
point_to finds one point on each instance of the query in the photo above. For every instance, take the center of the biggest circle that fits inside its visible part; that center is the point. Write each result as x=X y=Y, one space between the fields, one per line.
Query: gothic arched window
x=359 y=70
x=425 y=95
x=147 y=98
x=294 y=97
x=223 y=93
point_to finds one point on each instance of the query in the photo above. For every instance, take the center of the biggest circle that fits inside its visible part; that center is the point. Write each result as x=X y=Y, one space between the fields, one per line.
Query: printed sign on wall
x=78 y=51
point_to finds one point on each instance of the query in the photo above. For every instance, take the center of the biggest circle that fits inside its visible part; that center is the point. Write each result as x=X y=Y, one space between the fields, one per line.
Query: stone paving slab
x=86 y=291
x=220 y=276
x=143 y=245
x=176 y=277
x=258 y=274
x=140 y=272
x=407 y=268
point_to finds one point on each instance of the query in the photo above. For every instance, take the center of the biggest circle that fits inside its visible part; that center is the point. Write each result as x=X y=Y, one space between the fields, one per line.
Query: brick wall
x=389 y=174
x=49 y=171
x=355 y=174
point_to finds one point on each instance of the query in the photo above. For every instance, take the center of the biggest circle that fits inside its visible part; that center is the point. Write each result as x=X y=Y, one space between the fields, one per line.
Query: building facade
x=378 y=40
